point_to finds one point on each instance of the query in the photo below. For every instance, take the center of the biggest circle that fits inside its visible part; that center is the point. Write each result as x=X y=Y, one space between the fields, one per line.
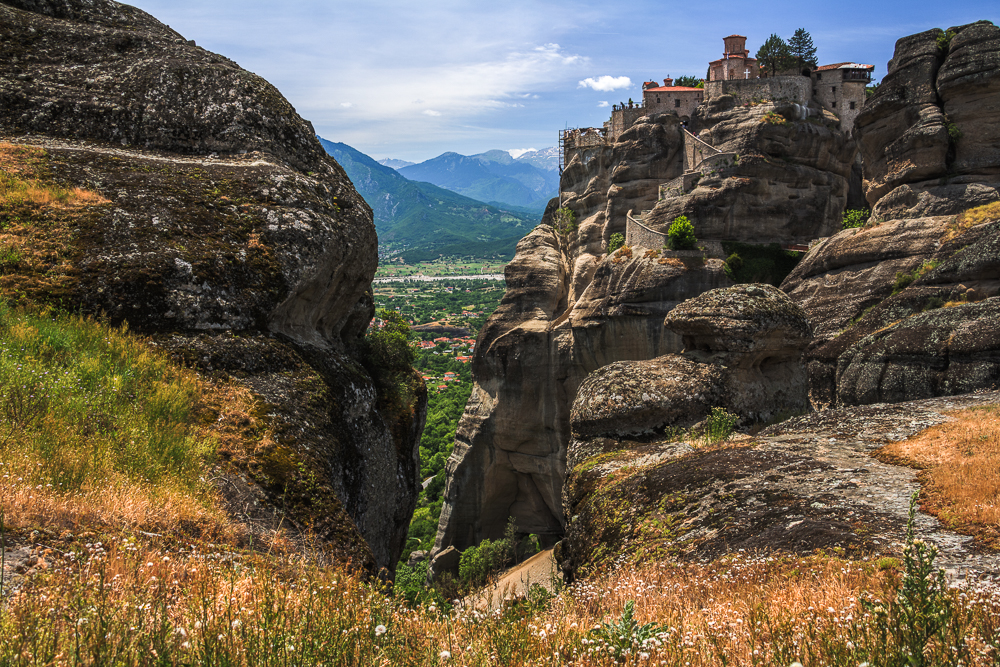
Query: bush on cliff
x=855 y=217
x=763 y=263
x=681 y=236
x=615 y=242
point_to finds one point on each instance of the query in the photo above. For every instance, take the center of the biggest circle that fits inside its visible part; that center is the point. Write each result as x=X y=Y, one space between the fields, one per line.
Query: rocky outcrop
x=570 y=309
x=229 y=235
x=936 y=335
x=875 y=294
x=928 y=135
x=742 y=352
x=788 y=182
x=810 y=482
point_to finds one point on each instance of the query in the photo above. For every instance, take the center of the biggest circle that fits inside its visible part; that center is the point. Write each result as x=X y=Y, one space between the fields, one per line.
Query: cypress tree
x=802 y=49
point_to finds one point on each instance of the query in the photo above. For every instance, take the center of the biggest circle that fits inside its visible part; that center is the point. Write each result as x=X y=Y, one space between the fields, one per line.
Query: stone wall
x=839 y=96
x=622 y=118
x=778 y=88
x=638 y=234
x=681 y=102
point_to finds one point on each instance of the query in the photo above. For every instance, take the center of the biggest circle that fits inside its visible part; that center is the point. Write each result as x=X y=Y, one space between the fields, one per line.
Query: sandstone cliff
x=931 y=151
x=230 y=235
x=571 y=309
x=782 y=176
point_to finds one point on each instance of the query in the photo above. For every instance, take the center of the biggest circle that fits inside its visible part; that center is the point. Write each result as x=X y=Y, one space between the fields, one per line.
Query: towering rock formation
x=931 y=150
x=571 y=309
x=231 y=236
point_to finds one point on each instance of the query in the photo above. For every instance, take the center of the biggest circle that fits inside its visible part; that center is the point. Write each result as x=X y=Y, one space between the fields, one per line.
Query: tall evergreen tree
x=774 y=55
x=802 y=49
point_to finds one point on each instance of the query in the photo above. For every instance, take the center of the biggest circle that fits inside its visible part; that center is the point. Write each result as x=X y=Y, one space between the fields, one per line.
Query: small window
x=677 y=102
x=852 y=105
x=657 y=99
x=833 y=104
x=815 y=91
x=834 y=88
x=819 y=75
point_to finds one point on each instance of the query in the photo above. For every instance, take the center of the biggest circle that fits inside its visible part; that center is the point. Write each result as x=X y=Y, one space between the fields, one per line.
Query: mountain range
x=527 y=182
x=420 y=221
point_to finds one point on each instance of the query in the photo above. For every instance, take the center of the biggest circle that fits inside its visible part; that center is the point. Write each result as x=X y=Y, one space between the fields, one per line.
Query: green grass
x=82 y=403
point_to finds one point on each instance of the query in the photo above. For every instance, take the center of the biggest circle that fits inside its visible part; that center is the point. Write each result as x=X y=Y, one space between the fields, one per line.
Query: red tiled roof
x=743 y=36
x=672 y=89
x=823 y=68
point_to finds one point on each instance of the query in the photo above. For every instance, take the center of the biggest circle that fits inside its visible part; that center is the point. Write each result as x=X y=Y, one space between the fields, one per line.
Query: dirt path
x=540 y=569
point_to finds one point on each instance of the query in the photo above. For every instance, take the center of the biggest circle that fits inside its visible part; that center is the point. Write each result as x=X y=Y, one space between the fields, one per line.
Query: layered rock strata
x=228 y=234
x=569 y=309
x=786 y=179
x=875 y=294
x=928 y=136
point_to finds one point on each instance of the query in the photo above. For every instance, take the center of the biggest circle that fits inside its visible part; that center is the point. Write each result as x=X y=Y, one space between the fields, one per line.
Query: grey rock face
x=788 y=184
x=569 y=310
x=743 y=350
x=928 y=135
x=226 y=228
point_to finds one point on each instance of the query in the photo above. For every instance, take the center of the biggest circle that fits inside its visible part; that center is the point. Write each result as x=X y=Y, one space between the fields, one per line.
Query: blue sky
x=412 y=80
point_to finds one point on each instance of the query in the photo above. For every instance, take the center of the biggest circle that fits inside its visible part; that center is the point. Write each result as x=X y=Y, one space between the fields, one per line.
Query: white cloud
x=431 y=112
x=347 y=105
x=606 y=83
x=603 y=103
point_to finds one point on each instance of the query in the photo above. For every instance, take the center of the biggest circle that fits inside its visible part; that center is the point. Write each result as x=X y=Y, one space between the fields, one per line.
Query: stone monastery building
x=735 y=62
x=838 y=88
x=668 y=97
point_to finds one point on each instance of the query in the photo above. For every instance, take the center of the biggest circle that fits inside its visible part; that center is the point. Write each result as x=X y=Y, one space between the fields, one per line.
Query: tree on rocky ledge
x=774 y=55
x=687 y=81
x=802 y=49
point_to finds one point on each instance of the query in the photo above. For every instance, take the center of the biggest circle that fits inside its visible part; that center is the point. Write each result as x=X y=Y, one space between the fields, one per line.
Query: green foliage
x=922 y=625
x=681 y=236
x=855 y=217
x=625 y=636
x=774 y=55
x=733 y=263
x=801 y=47
x=759 y=263
x=84 y=401
x=870 y=90
x=687 y=81
x=482 y=562
x=904 y=280
x=773 y=118
x=954 y=133
x=944 y=40
x=564 y=220
x=615 y=242
x=388 y=347
x=410 y=583
x=719 y=425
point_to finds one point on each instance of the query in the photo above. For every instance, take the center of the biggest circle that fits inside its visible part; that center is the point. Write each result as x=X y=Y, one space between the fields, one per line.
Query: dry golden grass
x=183 y=605
x=974 y=216
x=961 y=470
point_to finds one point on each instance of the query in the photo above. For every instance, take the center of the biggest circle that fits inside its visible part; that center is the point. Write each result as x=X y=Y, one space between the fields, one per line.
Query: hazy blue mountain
x=427 y=220
x=493 y=176
x=393 y=163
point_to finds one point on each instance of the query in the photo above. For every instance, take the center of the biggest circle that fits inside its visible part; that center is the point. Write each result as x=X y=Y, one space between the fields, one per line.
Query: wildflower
x=236 y=624
x=445 y=655
x=795 y=664
x=380 y=630
x=186 y=646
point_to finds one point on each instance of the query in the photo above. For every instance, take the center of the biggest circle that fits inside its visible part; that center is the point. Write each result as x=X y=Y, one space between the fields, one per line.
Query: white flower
x=186 y=645
x=380 y=630
x=236 y=624
x=445 y=655
x=795 y=664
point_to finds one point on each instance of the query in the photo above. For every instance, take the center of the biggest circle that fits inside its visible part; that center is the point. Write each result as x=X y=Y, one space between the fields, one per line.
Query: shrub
x=616 y=241
x=482 y=562
x=681 y=234
x=719 y=425
x=625 y=636
x=410 y=583
x=564 y=220
x=855 y=217
x=733 y=263
x=774 y=118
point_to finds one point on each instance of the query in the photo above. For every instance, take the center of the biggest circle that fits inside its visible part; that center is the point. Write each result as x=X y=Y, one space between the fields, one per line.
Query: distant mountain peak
x=393 y=163
x=518 y=152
